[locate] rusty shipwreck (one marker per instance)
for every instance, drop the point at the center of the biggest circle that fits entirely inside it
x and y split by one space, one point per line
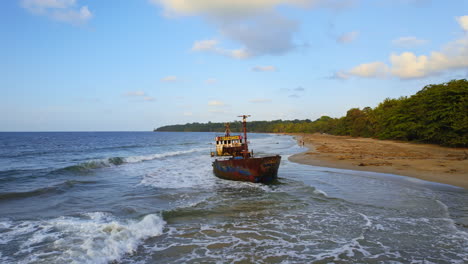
235 162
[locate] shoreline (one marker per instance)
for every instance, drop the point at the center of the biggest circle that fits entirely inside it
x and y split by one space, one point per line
423 161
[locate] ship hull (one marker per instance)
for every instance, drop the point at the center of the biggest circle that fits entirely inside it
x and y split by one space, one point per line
257 170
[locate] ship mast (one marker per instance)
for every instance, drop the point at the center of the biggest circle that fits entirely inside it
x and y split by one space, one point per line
244 126
227 132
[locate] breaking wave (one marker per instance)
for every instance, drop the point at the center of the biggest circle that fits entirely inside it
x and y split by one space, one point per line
136 159
116 161
95 164
92 238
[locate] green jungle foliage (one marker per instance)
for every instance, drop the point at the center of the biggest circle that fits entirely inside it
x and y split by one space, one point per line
437 114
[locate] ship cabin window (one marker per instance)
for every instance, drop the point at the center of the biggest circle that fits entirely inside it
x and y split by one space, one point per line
217 142
229 141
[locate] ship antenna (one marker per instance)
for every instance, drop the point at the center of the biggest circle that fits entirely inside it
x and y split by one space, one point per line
244 125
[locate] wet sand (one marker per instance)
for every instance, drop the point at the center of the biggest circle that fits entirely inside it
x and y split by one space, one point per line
423 161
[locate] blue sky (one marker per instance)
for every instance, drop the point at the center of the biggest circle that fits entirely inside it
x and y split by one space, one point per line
82 65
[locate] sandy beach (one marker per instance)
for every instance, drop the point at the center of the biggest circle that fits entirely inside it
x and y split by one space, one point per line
424 161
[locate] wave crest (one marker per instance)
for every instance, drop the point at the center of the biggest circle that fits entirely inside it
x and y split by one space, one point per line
92 238
116 161
95 164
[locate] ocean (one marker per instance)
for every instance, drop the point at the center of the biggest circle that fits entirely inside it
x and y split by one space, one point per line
144 197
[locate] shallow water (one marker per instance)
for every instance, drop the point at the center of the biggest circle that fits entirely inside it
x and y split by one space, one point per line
136 197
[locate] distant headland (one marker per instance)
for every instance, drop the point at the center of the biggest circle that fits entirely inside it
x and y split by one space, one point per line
437 114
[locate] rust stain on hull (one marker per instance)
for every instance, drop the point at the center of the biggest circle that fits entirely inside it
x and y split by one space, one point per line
263 170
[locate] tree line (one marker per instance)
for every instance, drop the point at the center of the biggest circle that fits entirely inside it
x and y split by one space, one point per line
436 114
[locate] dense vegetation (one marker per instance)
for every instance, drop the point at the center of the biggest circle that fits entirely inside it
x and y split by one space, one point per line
437 114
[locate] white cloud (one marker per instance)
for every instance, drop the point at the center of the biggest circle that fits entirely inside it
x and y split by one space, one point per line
260 100
170 78
407 65
295 92
216 103
73 16
463 21
222 7
140 95
60 10
453 56
348 37
42 5
299 89
369 70
187 114
408 42
242 7
340 75
205 45
366 70
211 81
267 33
264 68
256 25
211 45
238 53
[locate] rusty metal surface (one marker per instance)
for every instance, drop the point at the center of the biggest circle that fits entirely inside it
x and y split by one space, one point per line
264 169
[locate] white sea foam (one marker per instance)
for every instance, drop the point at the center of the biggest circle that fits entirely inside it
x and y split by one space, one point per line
136 159
115 161
248 185
368 221
290 240
4 226
10 231
444 208
379 227
320 192
349 249
94 238
327 235
181 173
450 221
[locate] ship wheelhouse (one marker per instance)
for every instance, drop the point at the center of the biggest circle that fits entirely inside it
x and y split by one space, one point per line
229 145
